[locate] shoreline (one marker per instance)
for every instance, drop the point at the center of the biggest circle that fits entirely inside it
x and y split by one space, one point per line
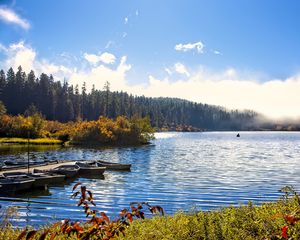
270 220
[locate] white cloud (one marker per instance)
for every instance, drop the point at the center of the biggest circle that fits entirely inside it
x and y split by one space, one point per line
105 57
19 54
190 46
136 12
125 20
100 74
180 68
274 98
9 16
230 88
91 58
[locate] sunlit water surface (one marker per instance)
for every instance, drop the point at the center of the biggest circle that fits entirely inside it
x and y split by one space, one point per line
178 171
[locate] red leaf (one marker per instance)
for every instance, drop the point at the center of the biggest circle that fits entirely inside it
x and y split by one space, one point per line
76 185
129 217
105 217
90 194
139 214
74 195
291 219
22 234
123 212
156 209
133 208
284 230
43 236
80 202
31 234
140 206
64 226
53 235
83 192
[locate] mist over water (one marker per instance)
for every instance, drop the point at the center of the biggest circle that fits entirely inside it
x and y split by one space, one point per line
178 171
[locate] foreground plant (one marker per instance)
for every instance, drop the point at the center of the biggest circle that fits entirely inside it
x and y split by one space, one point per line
269 221
97 226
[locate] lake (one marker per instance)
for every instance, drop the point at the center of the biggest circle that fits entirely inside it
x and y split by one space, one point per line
179 171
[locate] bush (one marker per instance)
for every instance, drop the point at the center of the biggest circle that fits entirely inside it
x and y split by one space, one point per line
106 131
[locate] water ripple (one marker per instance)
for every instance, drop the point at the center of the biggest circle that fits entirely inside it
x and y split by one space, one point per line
179 171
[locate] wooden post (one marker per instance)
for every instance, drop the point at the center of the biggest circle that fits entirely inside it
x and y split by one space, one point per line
28 135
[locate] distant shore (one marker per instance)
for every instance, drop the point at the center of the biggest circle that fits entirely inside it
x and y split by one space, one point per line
36 141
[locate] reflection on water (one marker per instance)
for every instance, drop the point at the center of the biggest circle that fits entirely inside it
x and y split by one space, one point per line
177 171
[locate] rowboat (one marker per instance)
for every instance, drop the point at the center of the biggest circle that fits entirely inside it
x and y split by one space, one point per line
69 171
90 168
21 166
41 179
21 163
10 185
114 166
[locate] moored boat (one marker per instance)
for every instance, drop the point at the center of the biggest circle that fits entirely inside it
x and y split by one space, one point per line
10 185
114 166
22 163
41 179
69 171
90 168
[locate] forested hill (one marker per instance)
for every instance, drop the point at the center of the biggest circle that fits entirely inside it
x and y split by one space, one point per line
63 102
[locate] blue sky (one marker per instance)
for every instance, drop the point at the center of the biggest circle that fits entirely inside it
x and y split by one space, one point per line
206 51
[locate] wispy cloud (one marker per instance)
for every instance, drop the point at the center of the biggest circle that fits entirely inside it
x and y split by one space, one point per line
168 71
180 68
216 52
9 16
109 44
126 20
105 57
2 48
198 46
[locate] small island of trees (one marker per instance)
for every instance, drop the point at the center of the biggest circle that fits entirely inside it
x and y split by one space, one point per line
103 131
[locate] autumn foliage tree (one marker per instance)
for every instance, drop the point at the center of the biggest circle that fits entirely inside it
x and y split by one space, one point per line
108 131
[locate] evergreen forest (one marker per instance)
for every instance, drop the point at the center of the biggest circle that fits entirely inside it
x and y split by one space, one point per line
57 100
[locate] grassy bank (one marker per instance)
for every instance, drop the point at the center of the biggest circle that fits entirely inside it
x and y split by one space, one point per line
36 141
244 222
269 221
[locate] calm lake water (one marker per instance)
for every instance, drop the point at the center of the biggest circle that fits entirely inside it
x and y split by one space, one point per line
178 171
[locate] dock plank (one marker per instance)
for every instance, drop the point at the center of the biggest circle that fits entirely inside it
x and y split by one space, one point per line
48 166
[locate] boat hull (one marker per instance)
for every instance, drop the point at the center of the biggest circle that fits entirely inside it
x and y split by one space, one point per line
90 168
44 179
114 166
13 185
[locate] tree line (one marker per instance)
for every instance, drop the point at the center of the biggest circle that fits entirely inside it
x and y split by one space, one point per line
58 100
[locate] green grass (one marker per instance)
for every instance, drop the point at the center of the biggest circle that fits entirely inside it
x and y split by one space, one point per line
246 222
36 141
231 223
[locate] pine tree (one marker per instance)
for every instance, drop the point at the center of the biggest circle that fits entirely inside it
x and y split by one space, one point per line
106 89
2 84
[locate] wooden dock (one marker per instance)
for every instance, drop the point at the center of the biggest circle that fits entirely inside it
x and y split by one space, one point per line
46 166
